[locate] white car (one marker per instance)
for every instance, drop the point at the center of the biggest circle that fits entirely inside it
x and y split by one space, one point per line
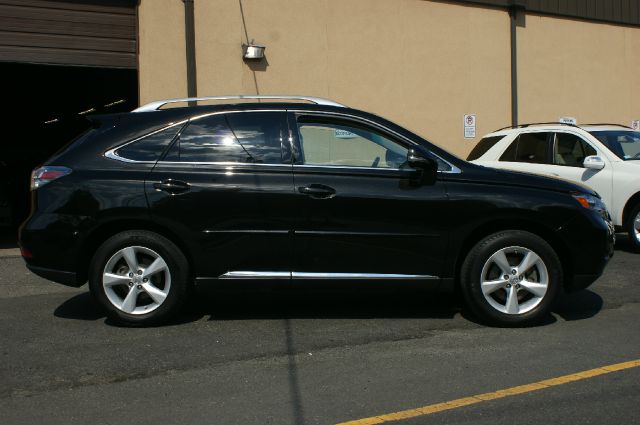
605 157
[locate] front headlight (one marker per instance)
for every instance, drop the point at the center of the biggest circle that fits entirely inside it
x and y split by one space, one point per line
593 203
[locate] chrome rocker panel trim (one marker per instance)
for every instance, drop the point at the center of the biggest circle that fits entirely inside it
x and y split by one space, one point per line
323 276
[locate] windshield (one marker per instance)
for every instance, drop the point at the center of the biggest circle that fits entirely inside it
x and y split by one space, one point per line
624 143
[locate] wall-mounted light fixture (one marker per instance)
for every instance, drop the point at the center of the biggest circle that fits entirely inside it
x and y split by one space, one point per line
253 51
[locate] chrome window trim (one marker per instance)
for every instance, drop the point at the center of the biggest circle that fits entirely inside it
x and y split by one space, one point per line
233 111
226 163
155 105
322 276
352 167
454 169
223 164
112 155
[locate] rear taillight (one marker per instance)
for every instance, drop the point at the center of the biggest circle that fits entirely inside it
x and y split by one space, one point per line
25 253
43 175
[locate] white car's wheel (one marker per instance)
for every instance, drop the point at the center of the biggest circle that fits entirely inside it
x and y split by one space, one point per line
633 228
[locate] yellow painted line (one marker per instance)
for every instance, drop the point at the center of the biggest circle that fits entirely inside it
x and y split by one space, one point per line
466 401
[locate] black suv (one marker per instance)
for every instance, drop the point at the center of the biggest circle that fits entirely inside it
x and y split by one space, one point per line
147 203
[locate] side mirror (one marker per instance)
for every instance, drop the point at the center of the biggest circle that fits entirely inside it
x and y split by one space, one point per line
593 162
428 167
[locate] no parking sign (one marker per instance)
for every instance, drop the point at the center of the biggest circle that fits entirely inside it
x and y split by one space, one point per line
469 126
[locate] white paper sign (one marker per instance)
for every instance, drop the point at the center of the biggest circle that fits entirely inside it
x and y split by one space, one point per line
469 121
635 124
344 134
568 120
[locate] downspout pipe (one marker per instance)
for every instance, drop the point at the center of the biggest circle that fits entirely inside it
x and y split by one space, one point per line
190 44
515 7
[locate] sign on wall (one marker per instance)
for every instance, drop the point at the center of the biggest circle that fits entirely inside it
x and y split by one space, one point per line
469 126
635 124
568 120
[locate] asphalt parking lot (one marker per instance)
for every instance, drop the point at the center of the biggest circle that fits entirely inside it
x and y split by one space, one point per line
315 355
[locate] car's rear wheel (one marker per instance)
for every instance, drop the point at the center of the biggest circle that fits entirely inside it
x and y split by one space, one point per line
633 228
139 277
511 278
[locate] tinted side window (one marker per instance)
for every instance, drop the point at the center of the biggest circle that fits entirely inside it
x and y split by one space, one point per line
251 137
529 147
150 147
347 144
483 146
571 150
260 133
510 154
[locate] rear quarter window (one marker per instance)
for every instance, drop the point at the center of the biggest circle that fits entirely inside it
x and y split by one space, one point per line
483 146
149 147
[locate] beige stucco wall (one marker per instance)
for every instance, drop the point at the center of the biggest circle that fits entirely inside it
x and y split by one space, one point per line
590 71
421 63
162 63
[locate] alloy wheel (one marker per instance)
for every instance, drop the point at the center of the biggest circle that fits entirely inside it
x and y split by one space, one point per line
514 280
136 280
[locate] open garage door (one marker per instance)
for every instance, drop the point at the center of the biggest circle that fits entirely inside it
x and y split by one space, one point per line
60 60
46 108
99 33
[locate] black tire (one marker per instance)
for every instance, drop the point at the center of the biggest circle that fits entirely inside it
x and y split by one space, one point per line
178 278
478 258
634 240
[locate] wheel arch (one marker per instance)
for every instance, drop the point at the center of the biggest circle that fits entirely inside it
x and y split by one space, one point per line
501 225
103 232
632 202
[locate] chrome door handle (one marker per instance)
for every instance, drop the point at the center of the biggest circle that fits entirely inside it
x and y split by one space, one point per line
318 191
173 187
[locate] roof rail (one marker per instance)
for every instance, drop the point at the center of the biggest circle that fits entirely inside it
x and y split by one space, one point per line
536 123
604 123
154 106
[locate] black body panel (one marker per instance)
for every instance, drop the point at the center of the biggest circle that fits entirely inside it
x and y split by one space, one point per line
259 217
378 221
237 217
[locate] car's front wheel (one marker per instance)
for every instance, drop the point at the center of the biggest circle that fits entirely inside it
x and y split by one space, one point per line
511 278
139 277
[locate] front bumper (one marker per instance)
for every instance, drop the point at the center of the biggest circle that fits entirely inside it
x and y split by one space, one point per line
591 242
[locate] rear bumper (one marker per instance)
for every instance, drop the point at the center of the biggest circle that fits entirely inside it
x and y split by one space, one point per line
52 245
59 276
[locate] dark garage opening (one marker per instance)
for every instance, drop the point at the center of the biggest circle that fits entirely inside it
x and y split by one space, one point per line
46 107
